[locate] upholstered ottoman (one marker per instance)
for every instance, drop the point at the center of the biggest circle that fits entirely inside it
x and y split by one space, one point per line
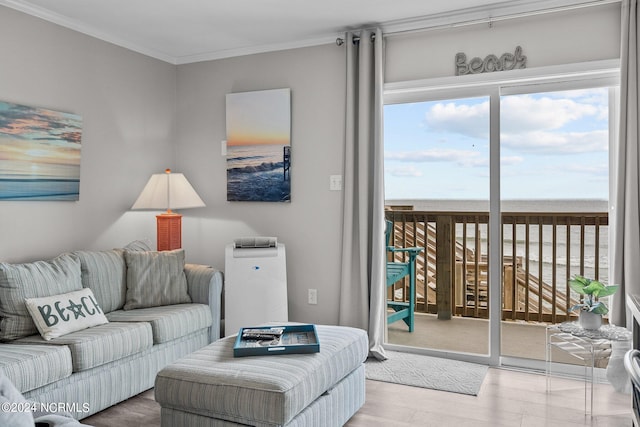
211 387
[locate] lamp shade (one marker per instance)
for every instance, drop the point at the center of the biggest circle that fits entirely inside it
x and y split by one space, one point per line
168 191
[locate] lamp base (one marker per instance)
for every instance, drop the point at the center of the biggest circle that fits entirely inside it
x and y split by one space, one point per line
169 231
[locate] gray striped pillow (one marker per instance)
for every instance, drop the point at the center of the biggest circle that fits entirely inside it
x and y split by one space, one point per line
32 280
137 245
105 274
155 279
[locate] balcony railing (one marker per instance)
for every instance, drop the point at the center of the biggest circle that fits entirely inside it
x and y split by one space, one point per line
541 252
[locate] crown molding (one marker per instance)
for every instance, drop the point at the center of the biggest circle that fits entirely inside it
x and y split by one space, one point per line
77 26
251 50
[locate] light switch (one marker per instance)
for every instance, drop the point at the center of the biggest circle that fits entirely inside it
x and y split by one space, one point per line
335 182
223 148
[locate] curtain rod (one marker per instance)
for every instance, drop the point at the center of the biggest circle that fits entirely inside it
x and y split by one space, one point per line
486 20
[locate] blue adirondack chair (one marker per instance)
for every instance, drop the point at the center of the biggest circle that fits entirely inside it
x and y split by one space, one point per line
398 271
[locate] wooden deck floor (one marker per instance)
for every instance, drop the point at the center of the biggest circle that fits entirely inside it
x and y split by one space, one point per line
469 335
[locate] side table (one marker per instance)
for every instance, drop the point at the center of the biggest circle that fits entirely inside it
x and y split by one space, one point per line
590 347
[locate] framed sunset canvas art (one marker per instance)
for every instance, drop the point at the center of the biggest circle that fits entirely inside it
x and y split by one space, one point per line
259 146
39 153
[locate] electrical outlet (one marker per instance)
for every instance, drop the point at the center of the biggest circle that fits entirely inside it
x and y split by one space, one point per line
313 296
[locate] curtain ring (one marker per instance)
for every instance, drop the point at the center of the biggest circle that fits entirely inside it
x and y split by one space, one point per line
356 39
340 41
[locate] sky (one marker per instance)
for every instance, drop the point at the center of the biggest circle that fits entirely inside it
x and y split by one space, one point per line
553 145
258 118
36 142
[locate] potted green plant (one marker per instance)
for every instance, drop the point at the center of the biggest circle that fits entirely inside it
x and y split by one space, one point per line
591 309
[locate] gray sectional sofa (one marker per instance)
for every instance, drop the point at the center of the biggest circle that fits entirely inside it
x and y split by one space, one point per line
151 307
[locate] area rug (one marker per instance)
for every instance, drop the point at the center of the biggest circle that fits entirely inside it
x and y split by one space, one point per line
427 372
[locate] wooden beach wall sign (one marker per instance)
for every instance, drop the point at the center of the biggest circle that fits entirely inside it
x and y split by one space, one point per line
39 153
259 146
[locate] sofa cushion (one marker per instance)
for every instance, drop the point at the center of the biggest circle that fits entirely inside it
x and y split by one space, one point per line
155 279
32 366
32 280
168 322
105 273
101 344
59 315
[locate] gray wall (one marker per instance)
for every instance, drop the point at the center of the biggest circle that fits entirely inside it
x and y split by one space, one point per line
142 115
310 225
127 102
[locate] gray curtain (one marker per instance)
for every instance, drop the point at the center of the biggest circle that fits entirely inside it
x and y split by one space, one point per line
626 199
362 286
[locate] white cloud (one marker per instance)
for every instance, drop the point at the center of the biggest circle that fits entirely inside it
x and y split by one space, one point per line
590 96
557 142
519 114
404 172
470 120
461 157
511 160
591 169
524 113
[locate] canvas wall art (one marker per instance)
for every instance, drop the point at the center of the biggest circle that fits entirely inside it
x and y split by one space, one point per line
259 146
39 153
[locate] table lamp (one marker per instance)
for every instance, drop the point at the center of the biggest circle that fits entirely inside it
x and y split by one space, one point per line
168 191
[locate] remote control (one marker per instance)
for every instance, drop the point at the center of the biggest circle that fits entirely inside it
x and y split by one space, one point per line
262 334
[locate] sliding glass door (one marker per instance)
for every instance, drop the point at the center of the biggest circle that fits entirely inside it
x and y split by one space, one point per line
504 187
437 184
555 191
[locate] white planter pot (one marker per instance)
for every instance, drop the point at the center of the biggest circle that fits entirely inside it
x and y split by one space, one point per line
590 320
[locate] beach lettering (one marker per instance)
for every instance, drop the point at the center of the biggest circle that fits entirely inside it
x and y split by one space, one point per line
89 305
507 61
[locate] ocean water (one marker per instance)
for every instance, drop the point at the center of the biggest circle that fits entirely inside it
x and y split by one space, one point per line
39 189
565 265
256 173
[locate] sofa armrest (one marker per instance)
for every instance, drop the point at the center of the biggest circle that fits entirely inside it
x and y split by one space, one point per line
205 287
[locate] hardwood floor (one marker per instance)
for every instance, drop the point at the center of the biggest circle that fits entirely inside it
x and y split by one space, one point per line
507 398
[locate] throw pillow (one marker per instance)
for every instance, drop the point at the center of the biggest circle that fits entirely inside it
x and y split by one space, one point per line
137 245
59 315
32 280
105 273
155 279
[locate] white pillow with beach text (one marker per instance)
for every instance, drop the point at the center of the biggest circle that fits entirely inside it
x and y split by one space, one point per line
59 315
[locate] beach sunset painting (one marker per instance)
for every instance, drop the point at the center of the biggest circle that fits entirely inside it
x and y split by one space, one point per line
39 153
259 146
